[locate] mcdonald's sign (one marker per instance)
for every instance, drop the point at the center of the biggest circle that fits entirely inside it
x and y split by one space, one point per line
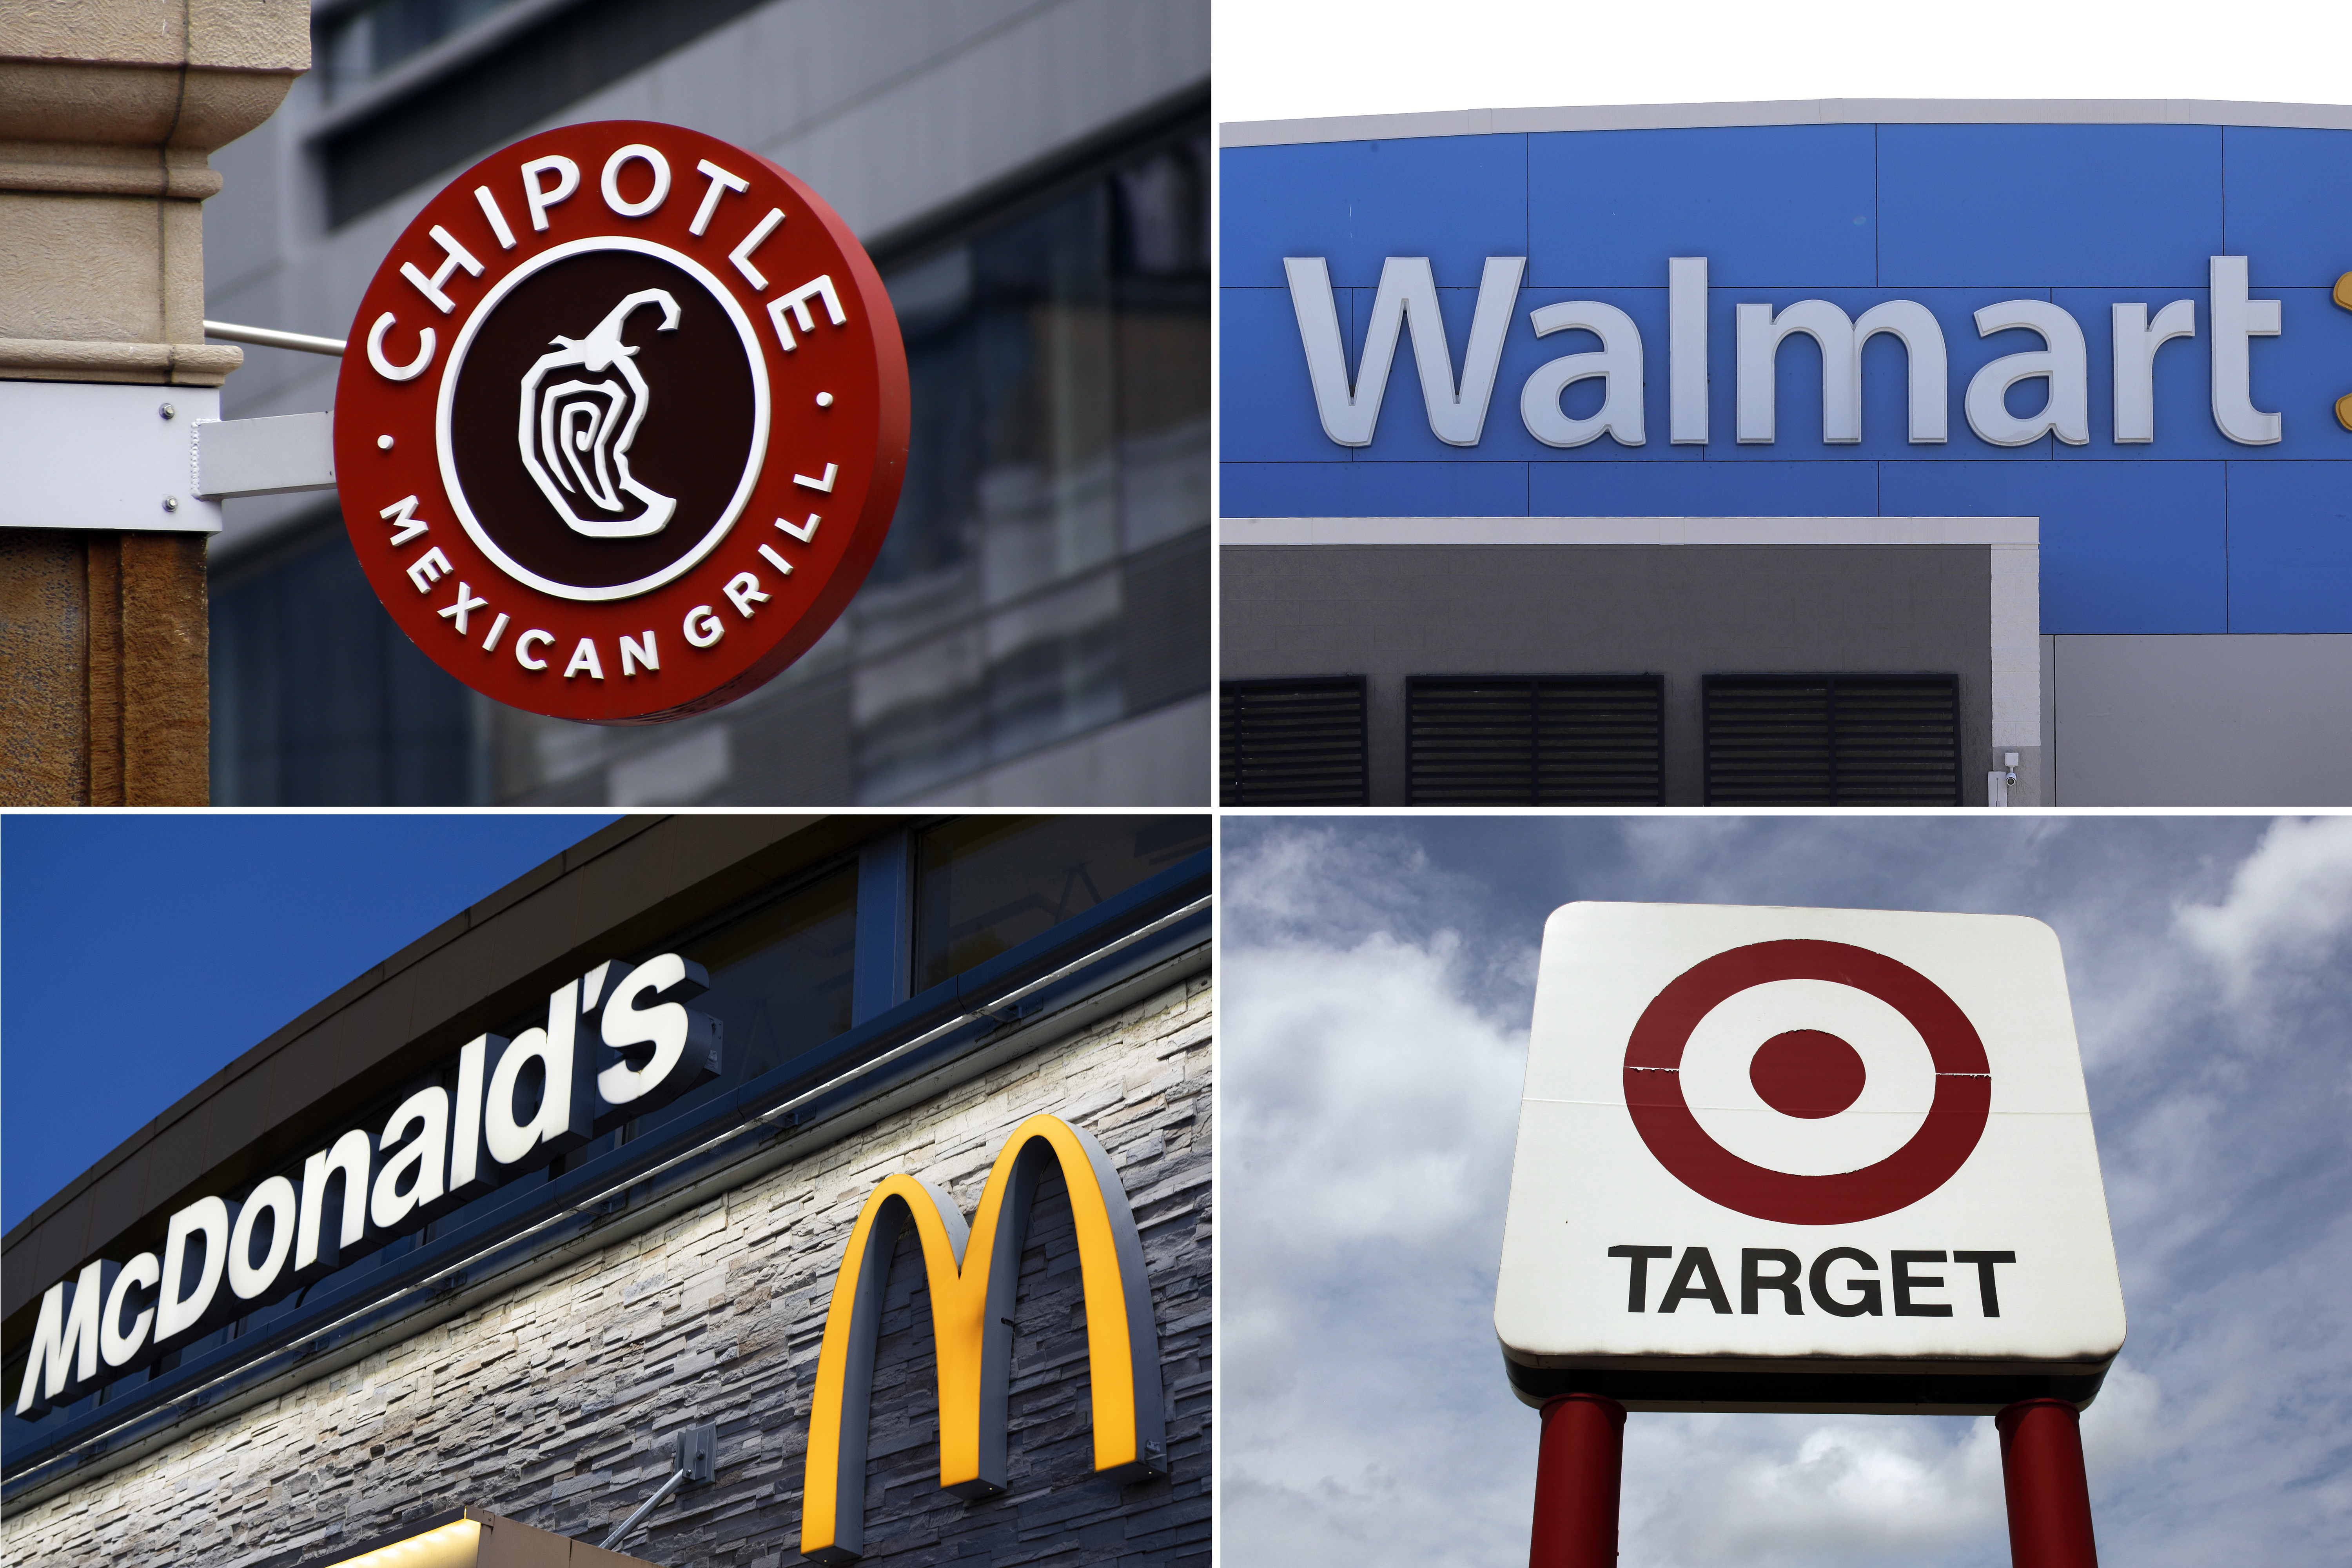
973 1273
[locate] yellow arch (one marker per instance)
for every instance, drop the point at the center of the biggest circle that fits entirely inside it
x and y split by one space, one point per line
973 1277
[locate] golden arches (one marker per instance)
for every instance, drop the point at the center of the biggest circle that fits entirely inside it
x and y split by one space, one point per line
972 1276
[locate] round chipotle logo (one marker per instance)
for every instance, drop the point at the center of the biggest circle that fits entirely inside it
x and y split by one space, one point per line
628 424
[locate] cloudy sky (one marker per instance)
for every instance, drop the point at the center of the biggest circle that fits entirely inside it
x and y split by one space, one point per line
1276 59
1377 976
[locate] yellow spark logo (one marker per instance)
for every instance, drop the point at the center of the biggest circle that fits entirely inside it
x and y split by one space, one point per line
2343 403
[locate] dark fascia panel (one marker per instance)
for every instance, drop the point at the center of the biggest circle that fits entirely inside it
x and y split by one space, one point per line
1910 1391
617 890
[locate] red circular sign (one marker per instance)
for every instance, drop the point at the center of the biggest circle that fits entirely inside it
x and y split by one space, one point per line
1955 1122
1809 1073
622 424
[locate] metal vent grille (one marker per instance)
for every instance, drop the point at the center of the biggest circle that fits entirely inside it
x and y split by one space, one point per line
1535 740
1292 742
1832 740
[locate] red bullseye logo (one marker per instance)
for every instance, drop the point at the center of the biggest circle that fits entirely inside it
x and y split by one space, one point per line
1807 1073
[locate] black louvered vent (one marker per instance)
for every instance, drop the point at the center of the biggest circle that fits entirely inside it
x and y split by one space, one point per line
1292 742
1535 740
1832 740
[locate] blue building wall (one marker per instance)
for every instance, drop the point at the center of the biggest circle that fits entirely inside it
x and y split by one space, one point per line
2193 533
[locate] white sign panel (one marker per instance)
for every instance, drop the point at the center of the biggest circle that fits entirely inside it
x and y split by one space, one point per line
1805 1159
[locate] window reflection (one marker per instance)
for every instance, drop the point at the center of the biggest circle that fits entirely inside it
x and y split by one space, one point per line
984 885
362 42
1059 364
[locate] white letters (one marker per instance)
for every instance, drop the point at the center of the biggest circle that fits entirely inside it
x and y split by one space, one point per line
274 1197
180 1309
2136 341
464 604
1687 350
1351 412
384 366
632 655
585 658
1841 340
522 1101
1349 408
2235 320
65 1339
561 1119
702 626
428 569
542 198
796 301
458 255
141 1273
489 205
523 643
743 592
404 512
465 1118
350 1157
611 181
1619 364
428 1111
674 1034
741 255
721 182
2064 363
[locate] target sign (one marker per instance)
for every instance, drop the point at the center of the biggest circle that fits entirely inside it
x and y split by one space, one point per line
623 423
1821 1159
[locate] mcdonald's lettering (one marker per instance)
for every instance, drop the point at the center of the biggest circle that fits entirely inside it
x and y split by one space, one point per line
973 1273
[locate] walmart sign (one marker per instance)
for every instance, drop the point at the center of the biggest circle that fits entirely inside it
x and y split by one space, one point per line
2127 331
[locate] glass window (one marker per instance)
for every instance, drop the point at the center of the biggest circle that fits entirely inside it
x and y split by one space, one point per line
318 699
984 885
780 979
363 41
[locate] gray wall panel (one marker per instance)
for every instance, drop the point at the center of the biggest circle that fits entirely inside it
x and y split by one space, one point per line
2201 721
1680 611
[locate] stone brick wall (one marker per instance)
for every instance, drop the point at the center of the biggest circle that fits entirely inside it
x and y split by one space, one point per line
550 1404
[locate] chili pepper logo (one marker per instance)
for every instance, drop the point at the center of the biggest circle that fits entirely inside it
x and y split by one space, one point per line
575 433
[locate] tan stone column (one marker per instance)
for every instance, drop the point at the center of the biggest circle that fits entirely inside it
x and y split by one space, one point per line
109 110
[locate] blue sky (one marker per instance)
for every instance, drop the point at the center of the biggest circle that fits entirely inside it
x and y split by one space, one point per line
1376 979
138 954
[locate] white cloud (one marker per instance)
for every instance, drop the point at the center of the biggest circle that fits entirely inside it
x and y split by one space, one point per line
1814 1490
2289 903
1376 983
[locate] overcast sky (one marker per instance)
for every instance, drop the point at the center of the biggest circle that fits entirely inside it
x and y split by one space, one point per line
141 953
1376 978
1279 59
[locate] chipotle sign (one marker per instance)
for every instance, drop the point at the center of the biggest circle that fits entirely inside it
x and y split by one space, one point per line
629 425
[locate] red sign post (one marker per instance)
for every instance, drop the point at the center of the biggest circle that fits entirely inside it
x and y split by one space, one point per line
624 424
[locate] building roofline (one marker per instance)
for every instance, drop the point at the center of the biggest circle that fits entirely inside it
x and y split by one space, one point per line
625 884
1787 112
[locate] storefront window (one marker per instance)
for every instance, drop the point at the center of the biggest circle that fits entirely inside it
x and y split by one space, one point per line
986 884
780 982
